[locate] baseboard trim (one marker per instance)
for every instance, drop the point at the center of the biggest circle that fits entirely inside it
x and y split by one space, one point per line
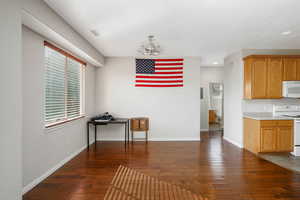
154 139
233 142
176 139
51 171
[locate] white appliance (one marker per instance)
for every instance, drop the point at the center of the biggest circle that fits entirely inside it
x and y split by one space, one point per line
292 111
291 89
296 137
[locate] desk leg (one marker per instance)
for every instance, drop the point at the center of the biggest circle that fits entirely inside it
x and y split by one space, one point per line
132 138
95 135
88 136
125 133
128 131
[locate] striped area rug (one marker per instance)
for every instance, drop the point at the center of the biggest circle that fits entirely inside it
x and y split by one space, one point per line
128 184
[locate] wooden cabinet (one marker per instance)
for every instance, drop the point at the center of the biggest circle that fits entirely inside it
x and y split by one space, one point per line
263 75
212 116
285 139
268 139
139 124
135 124
274 78
259 78
291 69
144 124
268 135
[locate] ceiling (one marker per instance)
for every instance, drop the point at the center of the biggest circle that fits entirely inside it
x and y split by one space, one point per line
211 29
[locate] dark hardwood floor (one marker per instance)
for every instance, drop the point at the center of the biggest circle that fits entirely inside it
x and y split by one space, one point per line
213 168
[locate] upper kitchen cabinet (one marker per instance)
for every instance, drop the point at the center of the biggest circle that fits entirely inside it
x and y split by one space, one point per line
274 84
291 69
263 77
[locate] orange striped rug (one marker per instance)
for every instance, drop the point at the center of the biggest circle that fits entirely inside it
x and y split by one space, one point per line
128 184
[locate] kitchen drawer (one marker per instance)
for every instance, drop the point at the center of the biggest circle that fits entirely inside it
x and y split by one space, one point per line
285 122
268 123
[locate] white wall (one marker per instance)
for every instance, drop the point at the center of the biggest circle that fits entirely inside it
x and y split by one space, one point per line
43 148
11 101
173 112
233 94
45 15
208 75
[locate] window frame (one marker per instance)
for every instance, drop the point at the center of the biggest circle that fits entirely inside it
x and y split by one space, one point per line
82 86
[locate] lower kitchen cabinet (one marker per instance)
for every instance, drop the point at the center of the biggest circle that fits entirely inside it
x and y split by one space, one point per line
268 135
285 139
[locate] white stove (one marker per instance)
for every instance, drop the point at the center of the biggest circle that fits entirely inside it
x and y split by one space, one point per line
292 111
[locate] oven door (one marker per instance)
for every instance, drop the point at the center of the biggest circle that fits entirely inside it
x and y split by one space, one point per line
291 89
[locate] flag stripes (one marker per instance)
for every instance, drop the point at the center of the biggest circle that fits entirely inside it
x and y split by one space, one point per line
168 68
150 81
159 72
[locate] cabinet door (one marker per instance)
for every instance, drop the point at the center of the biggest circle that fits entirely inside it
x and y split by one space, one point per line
298 69
143 124
134 124
275 71
290 69
247 79
285 139
259 78
268 139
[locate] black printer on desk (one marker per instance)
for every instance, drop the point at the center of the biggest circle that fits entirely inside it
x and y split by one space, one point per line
105 117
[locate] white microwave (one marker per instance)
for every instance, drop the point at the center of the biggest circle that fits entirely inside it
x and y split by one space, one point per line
291 89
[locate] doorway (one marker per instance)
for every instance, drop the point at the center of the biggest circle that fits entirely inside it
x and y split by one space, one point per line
211 99
215 107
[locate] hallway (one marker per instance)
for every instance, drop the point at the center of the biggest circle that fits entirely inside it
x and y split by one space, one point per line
212 168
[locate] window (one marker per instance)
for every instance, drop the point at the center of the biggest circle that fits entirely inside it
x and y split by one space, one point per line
64 86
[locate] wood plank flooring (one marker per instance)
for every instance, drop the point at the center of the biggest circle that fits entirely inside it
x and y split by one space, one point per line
212 168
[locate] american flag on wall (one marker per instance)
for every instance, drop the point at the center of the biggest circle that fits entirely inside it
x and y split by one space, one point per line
159 73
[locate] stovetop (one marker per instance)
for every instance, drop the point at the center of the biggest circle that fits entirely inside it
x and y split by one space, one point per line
294 116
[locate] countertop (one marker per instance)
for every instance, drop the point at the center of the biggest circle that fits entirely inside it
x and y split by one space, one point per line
265 116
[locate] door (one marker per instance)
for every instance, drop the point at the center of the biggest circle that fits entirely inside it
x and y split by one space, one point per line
275 71
248 79
134 124
259 78
143 124
268 139
285 139
291 69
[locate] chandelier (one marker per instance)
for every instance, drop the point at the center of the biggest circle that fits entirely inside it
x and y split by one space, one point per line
150 48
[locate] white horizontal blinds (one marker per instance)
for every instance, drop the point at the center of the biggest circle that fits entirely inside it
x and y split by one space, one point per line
73 88
63 85
55 85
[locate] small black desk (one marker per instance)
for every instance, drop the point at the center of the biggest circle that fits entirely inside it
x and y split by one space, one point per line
124 121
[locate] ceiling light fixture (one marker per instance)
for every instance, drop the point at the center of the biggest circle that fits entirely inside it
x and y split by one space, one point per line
286 33
215 63
150 48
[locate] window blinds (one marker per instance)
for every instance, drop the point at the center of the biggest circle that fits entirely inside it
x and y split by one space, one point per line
73 89
55 86
63 86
